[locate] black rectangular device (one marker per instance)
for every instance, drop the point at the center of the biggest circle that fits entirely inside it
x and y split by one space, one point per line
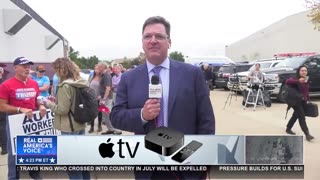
186 151
164 141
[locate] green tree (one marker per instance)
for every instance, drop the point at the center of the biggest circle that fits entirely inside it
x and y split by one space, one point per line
126 64
91 62
73 55
83 62
314 6
135 61
177 56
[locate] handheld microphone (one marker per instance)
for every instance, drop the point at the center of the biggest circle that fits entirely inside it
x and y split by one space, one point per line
155 89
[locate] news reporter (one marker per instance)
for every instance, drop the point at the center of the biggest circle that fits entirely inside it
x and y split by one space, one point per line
185 104
301 83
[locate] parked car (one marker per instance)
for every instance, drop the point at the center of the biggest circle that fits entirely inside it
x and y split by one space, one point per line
84 76
242 77
276 77
227 70
86 73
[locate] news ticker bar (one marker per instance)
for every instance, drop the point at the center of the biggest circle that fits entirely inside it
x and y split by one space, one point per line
216 171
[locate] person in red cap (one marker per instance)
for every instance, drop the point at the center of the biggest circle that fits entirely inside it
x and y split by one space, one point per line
19 95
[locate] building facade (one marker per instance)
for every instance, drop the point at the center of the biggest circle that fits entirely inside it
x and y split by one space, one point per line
293 34
24 33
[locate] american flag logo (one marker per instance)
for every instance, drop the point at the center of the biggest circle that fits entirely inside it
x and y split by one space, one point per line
47 140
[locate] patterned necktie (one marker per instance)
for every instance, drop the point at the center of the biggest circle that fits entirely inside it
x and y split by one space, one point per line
160 119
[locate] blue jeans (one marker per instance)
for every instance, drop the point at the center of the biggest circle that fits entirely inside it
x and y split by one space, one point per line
77 174
13 174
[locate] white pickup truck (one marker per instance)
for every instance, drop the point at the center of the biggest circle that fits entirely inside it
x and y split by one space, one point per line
242 77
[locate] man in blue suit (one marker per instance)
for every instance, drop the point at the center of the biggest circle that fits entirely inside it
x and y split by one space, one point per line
185 104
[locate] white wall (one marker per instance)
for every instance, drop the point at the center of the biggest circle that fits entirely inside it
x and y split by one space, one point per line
294 34
30 41
55 52
7 4
3 45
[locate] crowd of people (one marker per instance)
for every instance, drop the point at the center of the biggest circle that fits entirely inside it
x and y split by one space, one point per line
19 94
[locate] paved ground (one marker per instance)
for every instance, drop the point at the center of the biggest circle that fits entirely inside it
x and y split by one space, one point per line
234 120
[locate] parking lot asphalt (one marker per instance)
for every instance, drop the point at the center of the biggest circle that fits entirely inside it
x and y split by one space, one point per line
234 120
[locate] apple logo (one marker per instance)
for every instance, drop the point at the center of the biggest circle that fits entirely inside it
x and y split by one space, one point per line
105 149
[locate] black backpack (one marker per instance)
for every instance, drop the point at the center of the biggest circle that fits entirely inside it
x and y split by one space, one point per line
86 106
292 96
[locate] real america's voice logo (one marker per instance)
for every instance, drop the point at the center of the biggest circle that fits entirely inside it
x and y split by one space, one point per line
106 149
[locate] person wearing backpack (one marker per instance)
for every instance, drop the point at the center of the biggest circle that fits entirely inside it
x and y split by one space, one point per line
300 82
65 104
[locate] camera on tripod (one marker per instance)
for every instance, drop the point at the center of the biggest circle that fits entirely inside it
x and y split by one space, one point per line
234 80
235 86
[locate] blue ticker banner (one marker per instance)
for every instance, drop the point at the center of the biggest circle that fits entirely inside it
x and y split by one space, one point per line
36 150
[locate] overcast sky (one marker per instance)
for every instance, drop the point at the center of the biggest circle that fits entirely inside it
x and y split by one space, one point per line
112 28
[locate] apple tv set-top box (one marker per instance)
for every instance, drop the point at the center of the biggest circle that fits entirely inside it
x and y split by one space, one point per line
164 141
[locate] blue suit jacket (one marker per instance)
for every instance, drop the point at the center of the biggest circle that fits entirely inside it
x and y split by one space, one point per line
190 110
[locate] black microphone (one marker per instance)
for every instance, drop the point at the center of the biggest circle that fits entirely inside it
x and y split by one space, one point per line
155 80
155 88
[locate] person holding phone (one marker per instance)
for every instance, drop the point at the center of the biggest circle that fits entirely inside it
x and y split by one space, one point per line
301 82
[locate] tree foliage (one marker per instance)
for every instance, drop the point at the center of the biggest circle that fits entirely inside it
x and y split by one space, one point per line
83 62
177 56
314 6
73 55
91 61
129 63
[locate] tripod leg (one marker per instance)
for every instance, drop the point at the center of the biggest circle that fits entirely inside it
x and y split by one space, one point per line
236 95
256 100
245 104
225 103
263 100
231 92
